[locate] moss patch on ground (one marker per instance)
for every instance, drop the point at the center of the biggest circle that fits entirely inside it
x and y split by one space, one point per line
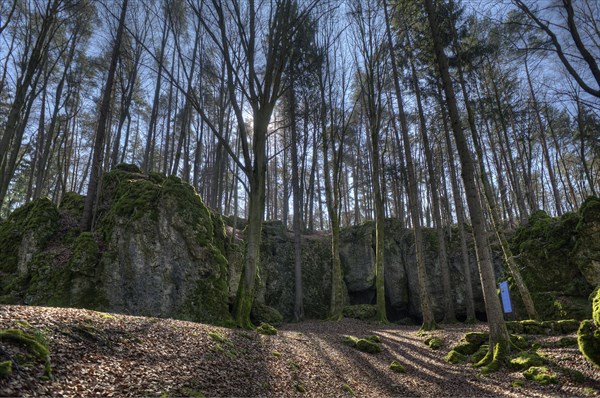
33 343
370 344
540 374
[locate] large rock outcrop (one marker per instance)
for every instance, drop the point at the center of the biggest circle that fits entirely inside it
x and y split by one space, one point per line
553 256
157 251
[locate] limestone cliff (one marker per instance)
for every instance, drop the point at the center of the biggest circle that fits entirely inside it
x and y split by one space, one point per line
158 250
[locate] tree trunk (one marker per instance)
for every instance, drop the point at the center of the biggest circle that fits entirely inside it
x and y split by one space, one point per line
499 337
96 173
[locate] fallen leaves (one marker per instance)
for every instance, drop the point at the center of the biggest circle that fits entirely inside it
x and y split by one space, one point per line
97 354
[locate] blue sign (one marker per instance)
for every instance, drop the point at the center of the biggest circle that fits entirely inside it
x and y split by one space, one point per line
505 296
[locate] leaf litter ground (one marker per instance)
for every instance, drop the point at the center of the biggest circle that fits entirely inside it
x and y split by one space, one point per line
98 354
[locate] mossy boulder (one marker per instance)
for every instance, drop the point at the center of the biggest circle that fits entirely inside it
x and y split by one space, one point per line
35 346
541 374
267 329
544 248
397 367
162 257
588 335
477 338
73 203
435 343
23 235
455 357
263 313
525 360
466 348
586 253
368 346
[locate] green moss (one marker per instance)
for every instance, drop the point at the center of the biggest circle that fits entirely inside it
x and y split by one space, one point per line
34 343
348 389
218 337
374 338
517 383
265 328
73 203
498 358
435 343
130 168
360 311
541 374
455 357
596 308
520 342
276 354
368 346
299 387
5 369
588 338
478 356
37 221
466 348
525 360
350 340
477 338
397 367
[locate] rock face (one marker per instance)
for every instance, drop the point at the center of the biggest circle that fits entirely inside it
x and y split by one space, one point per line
357 253
159 256
557 257
158 250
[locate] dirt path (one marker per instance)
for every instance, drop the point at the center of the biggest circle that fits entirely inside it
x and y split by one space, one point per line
96 354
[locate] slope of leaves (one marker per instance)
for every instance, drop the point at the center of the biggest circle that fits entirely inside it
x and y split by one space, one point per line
97 354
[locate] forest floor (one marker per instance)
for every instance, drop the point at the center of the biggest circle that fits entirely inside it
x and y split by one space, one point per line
98 354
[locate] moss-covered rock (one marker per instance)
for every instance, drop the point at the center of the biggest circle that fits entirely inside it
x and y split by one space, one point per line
267 329
275 287
37 347
455 357
361 311
466 348
160 238
368 346
23 235
586 253
567 326
480 353
525 360
397 367
350 340
541 374
476 338
588 337
263 313
73 203
544 247
435 343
